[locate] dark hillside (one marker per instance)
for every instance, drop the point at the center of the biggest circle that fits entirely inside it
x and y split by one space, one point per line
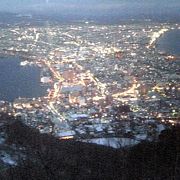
48 158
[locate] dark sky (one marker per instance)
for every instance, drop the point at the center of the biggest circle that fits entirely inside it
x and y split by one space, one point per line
96 8
57 5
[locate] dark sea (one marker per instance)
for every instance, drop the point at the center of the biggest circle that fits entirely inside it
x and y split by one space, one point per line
19 81
170 42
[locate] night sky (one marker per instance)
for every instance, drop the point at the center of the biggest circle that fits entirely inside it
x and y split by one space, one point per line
165 10
43 5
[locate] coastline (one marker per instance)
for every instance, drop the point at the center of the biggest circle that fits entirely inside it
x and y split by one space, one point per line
155 37
20 60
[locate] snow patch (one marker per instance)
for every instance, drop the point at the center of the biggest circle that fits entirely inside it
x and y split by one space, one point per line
113 142
8 160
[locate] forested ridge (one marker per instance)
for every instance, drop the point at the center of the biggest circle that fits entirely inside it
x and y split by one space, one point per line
49 158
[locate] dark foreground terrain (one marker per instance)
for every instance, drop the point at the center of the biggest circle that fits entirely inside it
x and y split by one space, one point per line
48 158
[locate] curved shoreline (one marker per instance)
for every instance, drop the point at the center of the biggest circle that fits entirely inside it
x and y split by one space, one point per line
30 62
156 36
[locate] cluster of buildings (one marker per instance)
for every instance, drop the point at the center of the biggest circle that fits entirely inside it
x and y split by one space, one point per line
105 80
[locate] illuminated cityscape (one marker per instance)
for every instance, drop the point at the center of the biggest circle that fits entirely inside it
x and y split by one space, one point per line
99 85
89 90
